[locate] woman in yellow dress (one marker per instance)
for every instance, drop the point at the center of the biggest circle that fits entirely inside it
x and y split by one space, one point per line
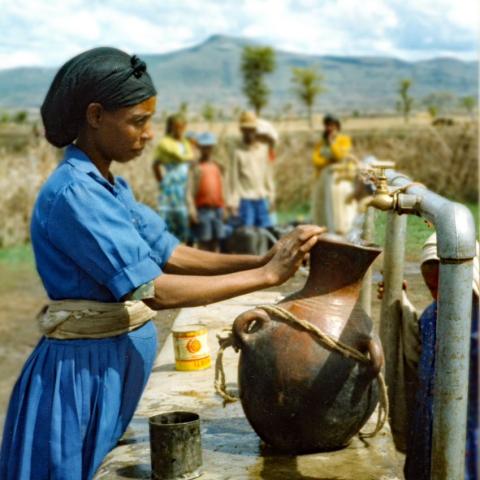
329 204
173 157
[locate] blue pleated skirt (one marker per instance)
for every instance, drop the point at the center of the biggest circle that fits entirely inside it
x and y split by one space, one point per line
72 403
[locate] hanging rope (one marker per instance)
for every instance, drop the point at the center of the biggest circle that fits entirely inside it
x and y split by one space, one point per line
220 385
328 341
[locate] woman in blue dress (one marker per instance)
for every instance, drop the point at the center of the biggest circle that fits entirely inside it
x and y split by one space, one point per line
103 257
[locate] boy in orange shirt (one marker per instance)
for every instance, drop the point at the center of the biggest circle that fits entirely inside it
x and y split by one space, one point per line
205 198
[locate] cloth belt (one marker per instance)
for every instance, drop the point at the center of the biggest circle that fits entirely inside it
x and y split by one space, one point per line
74 319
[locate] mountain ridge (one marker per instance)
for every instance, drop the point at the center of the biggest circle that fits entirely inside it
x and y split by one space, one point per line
210 72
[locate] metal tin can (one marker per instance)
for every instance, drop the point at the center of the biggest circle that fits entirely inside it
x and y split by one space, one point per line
175 446
190 343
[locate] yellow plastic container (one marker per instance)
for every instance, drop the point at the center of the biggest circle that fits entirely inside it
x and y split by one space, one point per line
190 343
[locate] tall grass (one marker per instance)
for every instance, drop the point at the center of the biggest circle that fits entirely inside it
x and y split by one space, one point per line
445 160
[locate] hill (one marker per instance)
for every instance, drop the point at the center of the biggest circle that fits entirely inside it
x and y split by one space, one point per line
210 72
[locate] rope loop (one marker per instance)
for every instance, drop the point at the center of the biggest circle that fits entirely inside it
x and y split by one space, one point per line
220 383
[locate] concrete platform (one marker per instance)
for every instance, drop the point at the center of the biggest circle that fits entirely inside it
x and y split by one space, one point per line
231 449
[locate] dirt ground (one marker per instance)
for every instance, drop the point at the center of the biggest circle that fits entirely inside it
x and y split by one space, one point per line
22 296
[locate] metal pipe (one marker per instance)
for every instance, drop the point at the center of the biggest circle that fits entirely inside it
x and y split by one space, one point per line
451 370
367 237
456 248
393 266
453 221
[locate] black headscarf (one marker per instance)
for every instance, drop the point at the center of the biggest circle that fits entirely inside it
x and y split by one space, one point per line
104 75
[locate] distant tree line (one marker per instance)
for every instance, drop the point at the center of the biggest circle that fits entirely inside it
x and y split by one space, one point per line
18 117
308 84
258 62
435 103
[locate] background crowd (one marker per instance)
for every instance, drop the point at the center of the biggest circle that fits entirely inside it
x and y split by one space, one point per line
206 203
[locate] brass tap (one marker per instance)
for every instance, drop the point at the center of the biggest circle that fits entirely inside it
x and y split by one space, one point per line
386 198
383 199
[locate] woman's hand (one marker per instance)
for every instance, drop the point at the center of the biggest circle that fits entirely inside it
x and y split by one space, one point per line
279 245
193 218
158 171
380 290
287 255
232 211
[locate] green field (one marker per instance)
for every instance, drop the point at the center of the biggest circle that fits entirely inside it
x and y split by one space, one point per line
18 254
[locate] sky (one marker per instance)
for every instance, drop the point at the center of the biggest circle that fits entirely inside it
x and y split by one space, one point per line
49 32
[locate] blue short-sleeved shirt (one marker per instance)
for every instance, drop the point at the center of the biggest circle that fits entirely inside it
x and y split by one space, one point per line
92 240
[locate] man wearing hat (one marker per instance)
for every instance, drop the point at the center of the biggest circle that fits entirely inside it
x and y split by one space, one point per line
205 196
251 189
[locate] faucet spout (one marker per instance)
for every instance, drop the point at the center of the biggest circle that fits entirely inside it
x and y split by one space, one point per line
364 203
381 201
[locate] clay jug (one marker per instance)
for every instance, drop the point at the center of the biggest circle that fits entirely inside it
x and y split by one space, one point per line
298 395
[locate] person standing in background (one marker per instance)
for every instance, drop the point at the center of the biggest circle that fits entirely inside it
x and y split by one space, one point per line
173 156
250 183
329 194
205 198
268 135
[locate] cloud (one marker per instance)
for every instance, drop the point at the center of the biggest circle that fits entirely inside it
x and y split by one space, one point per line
407 29
47 33
437 26
19 58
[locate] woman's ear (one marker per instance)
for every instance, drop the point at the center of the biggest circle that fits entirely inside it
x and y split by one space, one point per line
94 115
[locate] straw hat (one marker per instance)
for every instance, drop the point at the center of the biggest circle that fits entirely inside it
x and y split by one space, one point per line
248 120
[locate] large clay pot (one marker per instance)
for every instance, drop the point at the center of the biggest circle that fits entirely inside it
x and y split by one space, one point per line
298 395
